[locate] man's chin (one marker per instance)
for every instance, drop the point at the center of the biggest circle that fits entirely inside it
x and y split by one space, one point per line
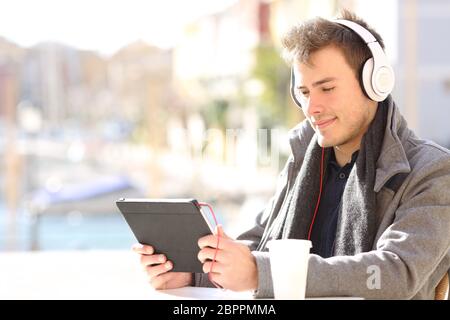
324 142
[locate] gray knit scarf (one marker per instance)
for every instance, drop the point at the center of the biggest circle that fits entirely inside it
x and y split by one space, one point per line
356 226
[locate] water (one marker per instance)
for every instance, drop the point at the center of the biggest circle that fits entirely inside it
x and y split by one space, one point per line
73 231
84 232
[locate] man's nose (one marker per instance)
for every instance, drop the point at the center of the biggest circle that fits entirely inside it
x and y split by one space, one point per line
313 105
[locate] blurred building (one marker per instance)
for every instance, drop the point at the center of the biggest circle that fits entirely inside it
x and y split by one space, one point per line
140 77
11 57
49 71
424 67
10 163
218 49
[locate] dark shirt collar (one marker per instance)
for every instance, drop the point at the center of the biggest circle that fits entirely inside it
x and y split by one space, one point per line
333 160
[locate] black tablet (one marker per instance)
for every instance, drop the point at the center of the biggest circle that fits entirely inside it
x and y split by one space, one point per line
170 226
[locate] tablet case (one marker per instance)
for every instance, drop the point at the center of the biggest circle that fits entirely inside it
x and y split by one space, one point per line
171 227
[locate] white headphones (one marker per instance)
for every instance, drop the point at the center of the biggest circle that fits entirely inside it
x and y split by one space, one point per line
377 75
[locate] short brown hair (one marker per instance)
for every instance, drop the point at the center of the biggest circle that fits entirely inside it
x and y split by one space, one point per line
304 39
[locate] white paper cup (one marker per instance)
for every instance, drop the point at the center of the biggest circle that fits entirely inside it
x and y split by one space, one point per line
289 266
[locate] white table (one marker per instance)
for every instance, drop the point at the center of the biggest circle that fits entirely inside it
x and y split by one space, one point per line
89 275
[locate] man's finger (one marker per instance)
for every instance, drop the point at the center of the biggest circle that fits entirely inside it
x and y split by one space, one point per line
211 241
217 267
156 271
147 260
221 233
142 248
209 254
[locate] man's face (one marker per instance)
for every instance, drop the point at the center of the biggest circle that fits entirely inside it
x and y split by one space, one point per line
332 98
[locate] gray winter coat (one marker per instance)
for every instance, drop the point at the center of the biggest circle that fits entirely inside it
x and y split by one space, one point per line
412 245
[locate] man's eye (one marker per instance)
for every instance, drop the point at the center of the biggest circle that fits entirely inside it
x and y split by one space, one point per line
328 89
304 93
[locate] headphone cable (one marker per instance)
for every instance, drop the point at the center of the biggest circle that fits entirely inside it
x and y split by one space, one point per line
318 198
204 204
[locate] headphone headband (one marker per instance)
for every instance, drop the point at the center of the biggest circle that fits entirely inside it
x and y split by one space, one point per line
358 29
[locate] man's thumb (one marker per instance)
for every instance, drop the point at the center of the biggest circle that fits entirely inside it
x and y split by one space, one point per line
220 232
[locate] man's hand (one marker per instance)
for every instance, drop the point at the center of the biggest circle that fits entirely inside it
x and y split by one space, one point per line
157 269
234 268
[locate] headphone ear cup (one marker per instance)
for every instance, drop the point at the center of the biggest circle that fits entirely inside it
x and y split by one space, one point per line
384 80
292 90
366 79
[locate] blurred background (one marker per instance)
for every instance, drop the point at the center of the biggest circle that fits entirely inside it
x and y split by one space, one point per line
171 99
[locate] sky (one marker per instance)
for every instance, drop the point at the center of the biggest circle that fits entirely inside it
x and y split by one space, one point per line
100 25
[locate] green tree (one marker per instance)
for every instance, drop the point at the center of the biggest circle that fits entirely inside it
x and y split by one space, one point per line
274 73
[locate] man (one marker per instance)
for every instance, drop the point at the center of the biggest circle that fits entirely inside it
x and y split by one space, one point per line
373 198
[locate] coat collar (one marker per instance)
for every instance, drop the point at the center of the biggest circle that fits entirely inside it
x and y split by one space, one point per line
393 159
